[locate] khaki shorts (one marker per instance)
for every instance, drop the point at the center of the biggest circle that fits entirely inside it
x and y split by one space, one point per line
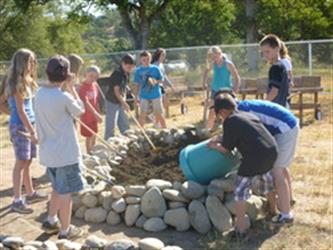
154 105
286 147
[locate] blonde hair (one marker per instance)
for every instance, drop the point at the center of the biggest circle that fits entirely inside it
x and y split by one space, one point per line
94 69
75 63
212 50
284 53
18 78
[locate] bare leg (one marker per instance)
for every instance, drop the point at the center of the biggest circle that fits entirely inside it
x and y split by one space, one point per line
65 210
240 208
27 181
142 118
282 190
17 177
54 203
160 119
271 198
211 119
288 177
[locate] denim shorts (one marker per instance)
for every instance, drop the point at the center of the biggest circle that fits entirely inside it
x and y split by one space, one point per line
23 147
66 179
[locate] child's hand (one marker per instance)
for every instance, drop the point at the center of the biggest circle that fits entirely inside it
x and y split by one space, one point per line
34 138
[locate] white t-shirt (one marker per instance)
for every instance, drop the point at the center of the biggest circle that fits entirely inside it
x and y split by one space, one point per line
287 64
58 141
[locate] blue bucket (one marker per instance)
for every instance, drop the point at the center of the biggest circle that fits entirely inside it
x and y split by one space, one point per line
202 164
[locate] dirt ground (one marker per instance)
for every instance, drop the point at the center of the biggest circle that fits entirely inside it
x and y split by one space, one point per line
312 185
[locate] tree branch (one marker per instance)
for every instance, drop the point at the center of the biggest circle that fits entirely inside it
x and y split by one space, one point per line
128 24
159 11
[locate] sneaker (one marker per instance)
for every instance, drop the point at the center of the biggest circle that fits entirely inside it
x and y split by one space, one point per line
280 220
36 197
51 228
74 233
21 207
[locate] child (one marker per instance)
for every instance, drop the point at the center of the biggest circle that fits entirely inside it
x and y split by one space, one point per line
148 78
225 76
245 132
59 146
116 106
158 60
20 84
89 94
3 99
286 61
76 63
278 86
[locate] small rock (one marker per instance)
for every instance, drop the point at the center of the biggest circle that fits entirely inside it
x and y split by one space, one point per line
150 244
135 190
174 195
79 213
103 195
1 246
49 245
95 215
98 188
192 190
199 218
131 215
89 200
216 190
60 243
227 185
107 202
141 221
176 204
95 242
160 184
27 247
218 214
177 185
76 202
153 203
121 245
133 200
13 242
177 218
118 192
36 244
119 205
172 248
155 224
113 218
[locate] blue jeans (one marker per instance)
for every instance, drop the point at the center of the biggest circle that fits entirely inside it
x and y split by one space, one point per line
115 114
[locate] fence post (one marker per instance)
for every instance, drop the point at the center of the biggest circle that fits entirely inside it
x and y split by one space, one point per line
310 57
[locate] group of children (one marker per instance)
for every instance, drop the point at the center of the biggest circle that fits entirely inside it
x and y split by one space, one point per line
264 133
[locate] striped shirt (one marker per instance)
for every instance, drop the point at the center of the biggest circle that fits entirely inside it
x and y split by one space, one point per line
277 119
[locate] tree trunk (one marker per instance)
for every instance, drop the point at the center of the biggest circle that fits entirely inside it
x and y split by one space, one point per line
251 35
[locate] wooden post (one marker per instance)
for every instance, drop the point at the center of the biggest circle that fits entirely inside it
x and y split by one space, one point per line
316 109
300 103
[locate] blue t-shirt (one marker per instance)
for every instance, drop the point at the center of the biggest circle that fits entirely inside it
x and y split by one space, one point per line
276 118
148 91
221 76
28 108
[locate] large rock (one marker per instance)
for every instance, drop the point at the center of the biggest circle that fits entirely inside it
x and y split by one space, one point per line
176 204
119 205
107 201
227 185
177 218
218 214
160 184
79 213
133 200
215 189
113 218
131 215
103 195
150 244
174 195
121 245
76 202
89 200
27 247
192 190
177 185
13 242
68 245
98 188
135 190
153 203
95 242
118 192
49 245
95 215
199 218
141 221
155 224
35 243
172 248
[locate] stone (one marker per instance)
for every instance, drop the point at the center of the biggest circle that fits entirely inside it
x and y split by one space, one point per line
1 246
133 200
95 215
89 200
176 204
150 244
141 221
218 214
174 195
118 192
79 213
199 218
131 214
119 205
103 195
228 185
177 218
160 184
76 202
154 224
36 244
49 245
113 218
192 190
27 247
153 203
95 242
172 248
121 245
98 188
247 222
107 202
177 185
135 190
60 243
13 242
216 190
